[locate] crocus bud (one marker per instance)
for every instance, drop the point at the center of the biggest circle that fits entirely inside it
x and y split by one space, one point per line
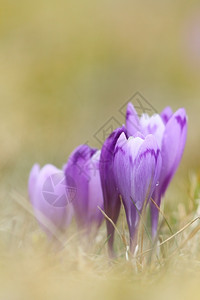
50 198
112 202
83 167
170 131
137 165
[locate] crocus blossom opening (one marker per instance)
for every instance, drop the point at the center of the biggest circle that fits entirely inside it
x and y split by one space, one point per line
170 131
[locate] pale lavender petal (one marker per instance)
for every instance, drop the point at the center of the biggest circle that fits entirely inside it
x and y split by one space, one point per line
147 170
50 199
83 167
126 152
153 125
95 195
137 165
132 120
77 168
166 114
173 145
138 134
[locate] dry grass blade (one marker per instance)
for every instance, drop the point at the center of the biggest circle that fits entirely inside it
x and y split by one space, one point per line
161 212
165 219
142 222
123 220
173 236
113 224
191 235
104 243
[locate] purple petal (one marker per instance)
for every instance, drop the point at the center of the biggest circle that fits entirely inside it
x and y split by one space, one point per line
83 167
110 193
166 114
95 194
132 120
126 152
153 125
49 198
173 145
137 165
148 167
77 168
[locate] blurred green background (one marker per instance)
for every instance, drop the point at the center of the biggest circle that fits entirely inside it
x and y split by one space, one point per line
66 67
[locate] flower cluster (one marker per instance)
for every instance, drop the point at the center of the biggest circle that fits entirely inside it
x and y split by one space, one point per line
137 162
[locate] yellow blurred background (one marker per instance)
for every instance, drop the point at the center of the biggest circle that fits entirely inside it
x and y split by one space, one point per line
66 67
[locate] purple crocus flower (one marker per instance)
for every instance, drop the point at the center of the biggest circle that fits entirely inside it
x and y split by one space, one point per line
170 131
112 202
137 165
49 197
83 167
